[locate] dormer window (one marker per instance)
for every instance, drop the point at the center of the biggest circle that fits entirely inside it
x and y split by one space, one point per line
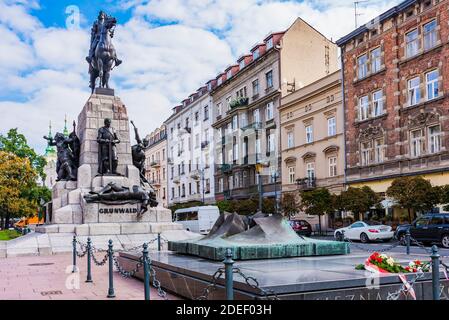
256 54
242 64
269 43
209 86
220 81
229 74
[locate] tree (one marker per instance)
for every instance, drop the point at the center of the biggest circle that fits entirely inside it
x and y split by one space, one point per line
358 200
414 194
289 204
317 202
18 187
268 205
16 143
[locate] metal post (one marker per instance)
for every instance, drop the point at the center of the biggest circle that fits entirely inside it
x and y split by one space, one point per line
89 251
74 254
146 272
435 273
111 293
228 262
407 241
158 242
260 191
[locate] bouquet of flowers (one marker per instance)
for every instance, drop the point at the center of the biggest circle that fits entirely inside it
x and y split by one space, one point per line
381 263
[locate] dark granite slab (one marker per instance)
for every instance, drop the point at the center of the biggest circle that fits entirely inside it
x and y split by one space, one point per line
325 277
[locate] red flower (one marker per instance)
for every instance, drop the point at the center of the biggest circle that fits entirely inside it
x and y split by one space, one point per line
407 268
418 263
379 259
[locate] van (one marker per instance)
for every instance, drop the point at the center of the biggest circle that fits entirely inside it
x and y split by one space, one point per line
197 219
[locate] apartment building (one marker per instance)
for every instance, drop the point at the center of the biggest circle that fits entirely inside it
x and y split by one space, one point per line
396 106
312 139
156 163
246 98
189 145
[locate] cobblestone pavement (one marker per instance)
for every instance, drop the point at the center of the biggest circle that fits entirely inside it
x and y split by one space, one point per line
45 278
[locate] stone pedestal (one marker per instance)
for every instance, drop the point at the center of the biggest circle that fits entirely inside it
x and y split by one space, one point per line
71 214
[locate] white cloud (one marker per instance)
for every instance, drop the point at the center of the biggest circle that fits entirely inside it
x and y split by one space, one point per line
162 65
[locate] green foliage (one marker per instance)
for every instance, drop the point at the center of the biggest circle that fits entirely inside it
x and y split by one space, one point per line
358 200
268 205
317 202
224 205
360 267
16 143
444 196
414 193
6 235
243 207
289 204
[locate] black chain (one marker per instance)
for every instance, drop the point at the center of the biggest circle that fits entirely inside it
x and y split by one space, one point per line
212 286
253 283
156 283
97 262
391 247
123 272
403 290
81 255
419 244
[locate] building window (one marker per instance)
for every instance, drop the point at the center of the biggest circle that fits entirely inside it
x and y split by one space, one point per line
269 115
257 146
331 127
269 77
412 43
290 139
271 144
379 150
197 117
414 94
206 113
243 120
230 184
309 134
229 74
235 124
310 171
220 185
376 60
332 166
362 63
378 103
255 87
228 103
430 35
173 193
219 109
432 84
417 144
366 151
269 43
256 116
434 139
242 64
241 93
291 175
363 108
256 54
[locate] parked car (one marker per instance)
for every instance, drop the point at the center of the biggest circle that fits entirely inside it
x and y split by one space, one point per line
365 231
301 227
197 219
432 227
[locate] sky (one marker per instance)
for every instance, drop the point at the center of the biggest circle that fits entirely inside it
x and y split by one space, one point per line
169 48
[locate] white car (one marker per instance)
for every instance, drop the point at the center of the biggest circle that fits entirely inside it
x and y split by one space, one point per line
365 232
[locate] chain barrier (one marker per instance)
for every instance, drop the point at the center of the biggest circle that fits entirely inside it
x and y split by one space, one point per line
420 245
406 288
213 285
123 272
253 283
156 283
391 247
81 255
96 261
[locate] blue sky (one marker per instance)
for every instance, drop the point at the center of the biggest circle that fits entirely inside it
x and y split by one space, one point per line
169 48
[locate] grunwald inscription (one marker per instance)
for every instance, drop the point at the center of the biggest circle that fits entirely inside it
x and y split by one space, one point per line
117 210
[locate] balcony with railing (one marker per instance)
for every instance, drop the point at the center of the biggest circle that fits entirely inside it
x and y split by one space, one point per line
306 184
155 183
252 126
155 164
226 168
239 102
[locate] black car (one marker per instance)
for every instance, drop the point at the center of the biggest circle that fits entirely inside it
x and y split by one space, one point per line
432 227
301 227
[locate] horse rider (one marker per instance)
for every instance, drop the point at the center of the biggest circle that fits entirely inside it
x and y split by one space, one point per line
95 38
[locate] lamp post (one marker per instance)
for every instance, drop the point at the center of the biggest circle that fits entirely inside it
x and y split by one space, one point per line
275 176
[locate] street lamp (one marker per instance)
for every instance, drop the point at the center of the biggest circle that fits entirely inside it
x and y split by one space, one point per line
275 176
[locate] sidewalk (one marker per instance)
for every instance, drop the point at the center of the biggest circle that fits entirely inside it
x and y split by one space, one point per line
45 277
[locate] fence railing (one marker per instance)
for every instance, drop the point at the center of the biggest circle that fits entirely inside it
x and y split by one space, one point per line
81 250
